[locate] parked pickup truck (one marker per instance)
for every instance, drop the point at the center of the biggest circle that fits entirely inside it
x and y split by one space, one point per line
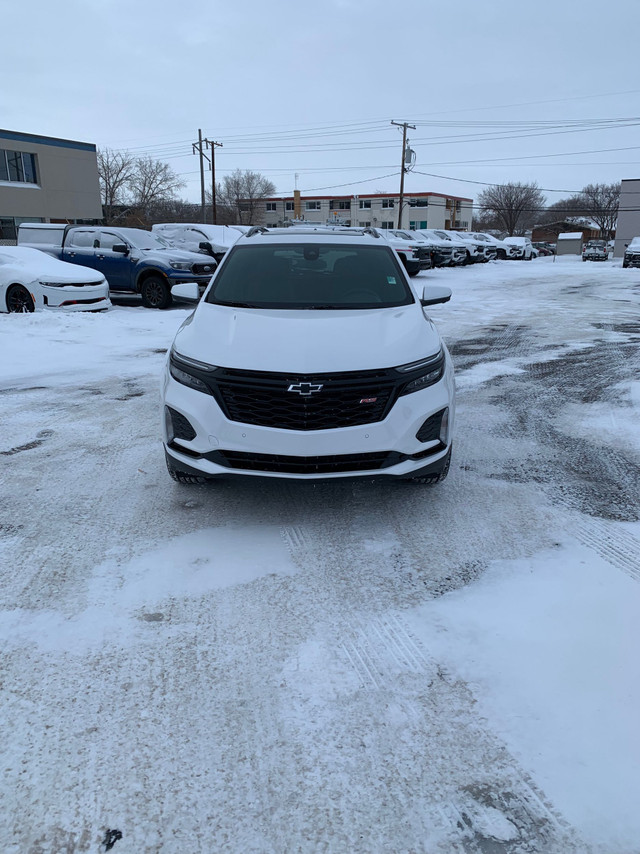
132 260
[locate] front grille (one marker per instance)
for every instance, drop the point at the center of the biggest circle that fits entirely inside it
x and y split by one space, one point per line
308 465
344 400
423 252
203 269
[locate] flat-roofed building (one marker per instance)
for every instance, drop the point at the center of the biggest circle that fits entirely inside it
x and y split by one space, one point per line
380 210
628 225
45 179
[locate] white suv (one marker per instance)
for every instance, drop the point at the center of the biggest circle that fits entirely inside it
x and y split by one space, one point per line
309 356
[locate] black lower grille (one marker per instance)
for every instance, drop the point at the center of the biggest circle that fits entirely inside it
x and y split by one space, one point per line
182 428
430 430
318 402
308 465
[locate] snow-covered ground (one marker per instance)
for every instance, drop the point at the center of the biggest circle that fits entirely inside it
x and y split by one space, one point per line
263 666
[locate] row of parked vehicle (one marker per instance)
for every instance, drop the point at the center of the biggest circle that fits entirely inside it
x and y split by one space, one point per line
38 273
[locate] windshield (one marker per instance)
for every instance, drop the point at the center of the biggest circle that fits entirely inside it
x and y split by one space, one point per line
310 276
144 239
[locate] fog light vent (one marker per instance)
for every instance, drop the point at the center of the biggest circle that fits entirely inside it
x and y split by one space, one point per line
431 429
182 428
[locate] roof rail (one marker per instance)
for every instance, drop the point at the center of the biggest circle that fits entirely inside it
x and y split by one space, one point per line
257 229
371 231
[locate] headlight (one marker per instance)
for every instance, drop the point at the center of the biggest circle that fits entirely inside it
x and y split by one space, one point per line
180 265
190 372
422 374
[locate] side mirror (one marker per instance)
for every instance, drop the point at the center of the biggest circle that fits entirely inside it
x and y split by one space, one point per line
434 294
189 292
205 246
121 248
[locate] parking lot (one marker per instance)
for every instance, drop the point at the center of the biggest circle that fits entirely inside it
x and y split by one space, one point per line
259 665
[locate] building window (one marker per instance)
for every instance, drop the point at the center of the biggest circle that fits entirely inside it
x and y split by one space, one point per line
18 166
312 206
386 223
418 203
339 205
288 206
364 224
272 225
365 204
271 206
388 203
417 225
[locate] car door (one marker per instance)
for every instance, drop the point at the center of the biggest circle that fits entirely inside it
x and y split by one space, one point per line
117 267
79 247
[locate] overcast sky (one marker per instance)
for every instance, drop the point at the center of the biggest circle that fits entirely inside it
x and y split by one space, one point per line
310 87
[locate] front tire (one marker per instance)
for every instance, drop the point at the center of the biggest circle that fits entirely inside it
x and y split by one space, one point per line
19 300
182 476
155 293
436 477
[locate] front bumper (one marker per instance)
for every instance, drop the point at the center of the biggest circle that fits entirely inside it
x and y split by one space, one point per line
70 298
385 448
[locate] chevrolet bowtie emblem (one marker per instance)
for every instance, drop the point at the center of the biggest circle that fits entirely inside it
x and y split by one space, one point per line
305 389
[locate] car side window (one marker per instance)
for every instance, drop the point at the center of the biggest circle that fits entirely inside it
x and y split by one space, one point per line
108 240
82 239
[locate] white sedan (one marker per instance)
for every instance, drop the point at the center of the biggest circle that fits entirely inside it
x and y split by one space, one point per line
30 280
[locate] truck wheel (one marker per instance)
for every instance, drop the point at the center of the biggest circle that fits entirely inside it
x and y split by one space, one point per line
155 293
19 300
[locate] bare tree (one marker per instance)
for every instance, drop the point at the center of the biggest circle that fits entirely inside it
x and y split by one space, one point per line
571 208
152 181
600 202
240 196
115 169
515 206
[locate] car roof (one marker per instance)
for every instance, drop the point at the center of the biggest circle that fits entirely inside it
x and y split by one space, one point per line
295 234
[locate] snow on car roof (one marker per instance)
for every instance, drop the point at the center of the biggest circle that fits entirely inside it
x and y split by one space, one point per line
570 235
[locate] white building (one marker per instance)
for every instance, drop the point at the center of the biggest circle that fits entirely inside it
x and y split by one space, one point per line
380 210
628 225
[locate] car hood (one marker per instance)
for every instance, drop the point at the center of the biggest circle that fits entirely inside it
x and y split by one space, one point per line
307 342
165 256
47 269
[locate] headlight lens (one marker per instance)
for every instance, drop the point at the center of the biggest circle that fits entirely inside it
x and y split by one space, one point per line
190 372
423 373
180 265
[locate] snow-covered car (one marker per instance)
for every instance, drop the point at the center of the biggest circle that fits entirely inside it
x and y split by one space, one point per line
503 249
632 254
414 254
440 251
309 356
459 255
31 279
478 251
523 247
214 240
595 250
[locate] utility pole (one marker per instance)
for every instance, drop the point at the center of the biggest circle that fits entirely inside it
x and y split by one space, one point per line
212 163
403 168
197 146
